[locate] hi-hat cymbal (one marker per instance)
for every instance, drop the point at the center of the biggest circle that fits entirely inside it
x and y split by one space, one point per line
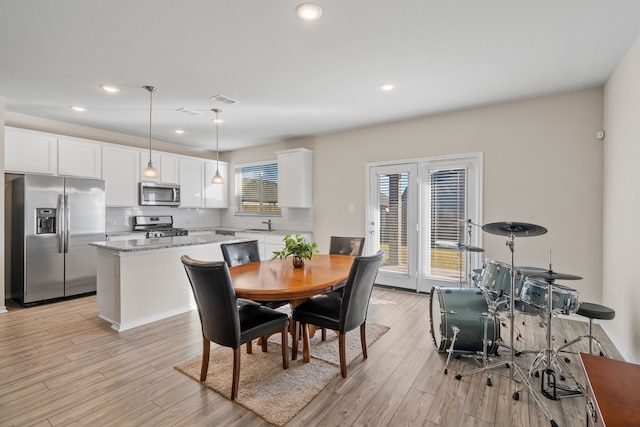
518 229
459 246
548 274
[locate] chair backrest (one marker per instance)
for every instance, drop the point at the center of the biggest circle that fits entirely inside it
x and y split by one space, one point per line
216 300
241 252
357 291
346 245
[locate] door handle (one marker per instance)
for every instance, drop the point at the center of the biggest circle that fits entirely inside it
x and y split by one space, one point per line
67 222
60 223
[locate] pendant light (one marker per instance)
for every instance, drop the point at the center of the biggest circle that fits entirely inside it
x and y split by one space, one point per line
217 178
150 171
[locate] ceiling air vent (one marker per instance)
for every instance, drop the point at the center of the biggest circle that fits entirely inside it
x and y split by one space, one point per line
188 111
224 99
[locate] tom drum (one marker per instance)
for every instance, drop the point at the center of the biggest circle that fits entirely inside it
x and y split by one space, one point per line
496 277
563 299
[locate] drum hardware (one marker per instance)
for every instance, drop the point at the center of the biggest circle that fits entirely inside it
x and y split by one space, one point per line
460 248
561 299
512 230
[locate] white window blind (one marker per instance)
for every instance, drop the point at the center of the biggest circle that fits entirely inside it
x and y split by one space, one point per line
257 189
448 207
392 203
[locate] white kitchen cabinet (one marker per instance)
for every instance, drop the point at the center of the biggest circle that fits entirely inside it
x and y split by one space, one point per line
191 182
216 195
169 168
121 172
144 162
79 157
30 151
294 178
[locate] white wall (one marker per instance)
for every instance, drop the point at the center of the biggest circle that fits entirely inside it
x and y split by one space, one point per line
621 280
543 165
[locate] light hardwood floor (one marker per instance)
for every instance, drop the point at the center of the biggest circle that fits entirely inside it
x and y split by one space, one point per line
62 365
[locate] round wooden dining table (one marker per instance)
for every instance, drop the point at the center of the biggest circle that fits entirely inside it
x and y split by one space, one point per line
278 280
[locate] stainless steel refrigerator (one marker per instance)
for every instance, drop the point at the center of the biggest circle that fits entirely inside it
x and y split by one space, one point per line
53 220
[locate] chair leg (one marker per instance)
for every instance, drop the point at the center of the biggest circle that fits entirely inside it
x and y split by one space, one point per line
236 373
324 334
590 336
343 354
363 339
306 351
206 348
285 348
264 344
294 342
249 347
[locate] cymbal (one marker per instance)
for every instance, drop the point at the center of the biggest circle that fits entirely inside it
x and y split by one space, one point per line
549 275
459 246
518 229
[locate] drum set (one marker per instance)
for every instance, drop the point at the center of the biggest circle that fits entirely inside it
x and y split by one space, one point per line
467 320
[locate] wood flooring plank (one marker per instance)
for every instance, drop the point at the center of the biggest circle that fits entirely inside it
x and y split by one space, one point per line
62 365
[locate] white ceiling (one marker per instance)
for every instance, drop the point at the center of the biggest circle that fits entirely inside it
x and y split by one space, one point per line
295 78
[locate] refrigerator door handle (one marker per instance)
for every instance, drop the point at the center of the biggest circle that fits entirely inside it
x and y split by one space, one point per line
60 223
67 222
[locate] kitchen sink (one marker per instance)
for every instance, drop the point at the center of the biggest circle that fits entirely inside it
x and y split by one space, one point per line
258 229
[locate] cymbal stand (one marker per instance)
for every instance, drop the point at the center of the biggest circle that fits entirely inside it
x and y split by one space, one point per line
514 368
550 360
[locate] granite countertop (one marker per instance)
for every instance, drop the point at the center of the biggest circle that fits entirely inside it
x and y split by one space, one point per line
147 244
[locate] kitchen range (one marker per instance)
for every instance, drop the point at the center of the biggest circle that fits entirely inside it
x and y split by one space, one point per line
158 226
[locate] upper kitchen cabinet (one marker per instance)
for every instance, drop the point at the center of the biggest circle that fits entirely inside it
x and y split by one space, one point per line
30 151
294 178
79 157
191 175
216 195
121 172
169 168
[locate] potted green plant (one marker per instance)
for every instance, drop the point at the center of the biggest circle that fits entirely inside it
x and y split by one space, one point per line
298 247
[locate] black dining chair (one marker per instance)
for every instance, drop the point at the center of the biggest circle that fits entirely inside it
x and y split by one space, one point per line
240 253
223 321
341 313
339 245
346 245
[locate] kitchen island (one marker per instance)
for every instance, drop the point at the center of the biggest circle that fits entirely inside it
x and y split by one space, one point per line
142 281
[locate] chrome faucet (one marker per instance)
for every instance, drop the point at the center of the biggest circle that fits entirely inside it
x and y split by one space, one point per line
268 222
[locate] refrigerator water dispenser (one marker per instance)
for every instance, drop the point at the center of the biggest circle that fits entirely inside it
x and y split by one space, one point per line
46 220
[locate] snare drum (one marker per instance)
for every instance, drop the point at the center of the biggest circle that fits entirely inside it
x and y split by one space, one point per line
461 308
496 277
564 298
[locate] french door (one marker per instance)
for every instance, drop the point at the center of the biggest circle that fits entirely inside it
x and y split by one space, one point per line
393 203
418 212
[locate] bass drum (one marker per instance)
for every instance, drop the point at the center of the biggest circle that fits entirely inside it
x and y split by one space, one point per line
461 308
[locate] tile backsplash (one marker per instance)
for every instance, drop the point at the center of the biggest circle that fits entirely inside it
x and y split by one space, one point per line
121 219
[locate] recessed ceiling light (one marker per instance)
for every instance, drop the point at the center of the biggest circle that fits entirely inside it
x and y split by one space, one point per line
110 89
217 121
387 87
178 131
309 12
78 108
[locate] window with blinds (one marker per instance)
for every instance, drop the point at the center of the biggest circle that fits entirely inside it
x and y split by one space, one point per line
448 210
392 205
257 189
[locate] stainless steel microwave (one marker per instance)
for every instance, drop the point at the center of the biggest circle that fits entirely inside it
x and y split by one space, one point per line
156 194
